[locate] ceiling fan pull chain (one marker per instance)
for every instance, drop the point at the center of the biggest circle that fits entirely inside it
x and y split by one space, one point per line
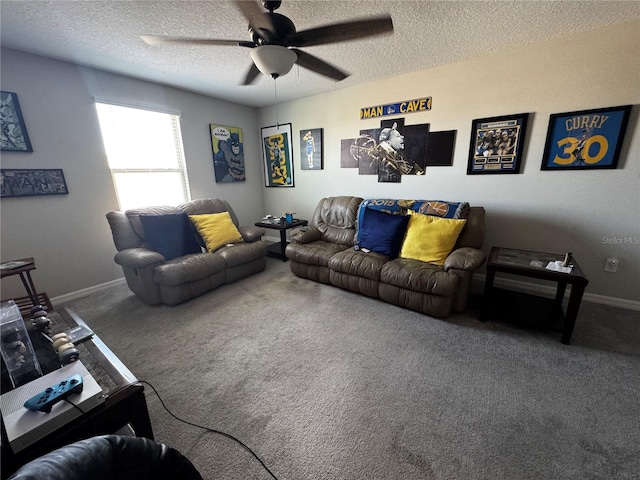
275 93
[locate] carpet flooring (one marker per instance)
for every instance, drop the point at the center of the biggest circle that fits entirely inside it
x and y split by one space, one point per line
326 384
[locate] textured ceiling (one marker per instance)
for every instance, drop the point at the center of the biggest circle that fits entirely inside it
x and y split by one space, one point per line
106 35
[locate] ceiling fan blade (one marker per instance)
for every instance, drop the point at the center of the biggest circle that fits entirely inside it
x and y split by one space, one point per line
314 64
340 32
259 20
158 40
251 75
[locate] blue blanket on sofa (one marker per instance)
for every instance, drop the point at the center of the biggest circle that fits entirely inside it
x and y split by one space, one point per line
438 208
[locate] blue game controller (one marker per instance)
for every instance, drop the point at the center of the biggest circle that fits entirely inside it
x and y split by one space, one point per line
45 400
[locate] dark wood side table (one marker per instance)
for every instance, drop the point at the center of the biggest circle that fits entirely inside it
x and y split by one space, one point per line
278 249
24 271
533 264
124 405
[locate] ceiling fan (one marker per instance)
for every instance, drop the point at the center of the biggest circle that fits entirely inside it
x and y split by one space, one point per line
274 40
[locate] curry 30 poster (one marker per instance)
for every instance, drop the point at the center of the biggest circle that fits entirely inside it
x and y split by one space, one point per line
588 139
277 155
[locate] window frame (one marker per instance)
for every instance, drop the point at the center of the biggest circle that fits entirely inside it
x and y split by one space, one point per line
181 168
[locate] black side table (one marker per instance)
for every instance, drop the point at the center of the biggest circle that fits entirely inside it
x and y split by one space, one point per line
532 264
278 249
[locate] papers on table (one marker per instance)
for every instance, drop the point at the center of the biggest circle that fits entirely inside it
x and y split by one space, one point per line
558 266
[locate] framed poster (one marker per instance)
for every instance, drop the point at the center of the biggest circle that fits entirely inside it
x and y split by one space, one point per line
311 149
28 183
228 153
277 155
13 132
587 139
497 144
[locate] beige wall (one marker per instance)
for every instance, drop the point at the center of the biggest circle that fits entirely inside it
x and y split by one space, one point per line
538 210
554 211
68 234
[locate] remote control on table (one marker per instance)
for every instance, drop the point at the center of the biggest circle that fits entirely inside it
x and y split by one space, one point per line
45 400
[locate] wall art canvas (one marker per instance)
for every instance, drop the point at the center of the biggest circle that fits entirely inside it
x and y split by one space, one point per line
587 139
497 144
347 159
440 147
415 147
228 153
13 132
311 149
365 150
27 183
277 155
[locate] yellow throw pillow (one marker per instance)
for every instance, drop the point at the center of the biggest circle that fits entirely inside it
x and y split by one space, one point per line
216 229
430 238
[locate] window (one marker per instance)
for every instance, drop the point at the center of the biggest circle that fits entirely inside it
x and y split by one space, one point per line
144 151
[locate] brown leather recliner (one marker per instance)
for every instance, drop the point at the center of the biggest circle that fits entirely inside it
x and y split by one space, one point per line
155 279
324 252
331 230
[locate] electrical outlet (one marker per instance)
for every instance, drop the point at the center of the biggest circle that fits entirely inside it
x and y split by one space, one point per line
611 264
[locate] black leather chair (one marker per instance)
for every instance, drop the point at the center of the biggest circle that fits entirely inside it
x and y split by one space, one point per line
110 457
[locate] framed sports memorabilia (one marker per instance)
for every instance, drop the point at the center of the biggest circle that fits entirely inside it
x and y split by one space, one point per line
311 157
497 144
277 155
587 139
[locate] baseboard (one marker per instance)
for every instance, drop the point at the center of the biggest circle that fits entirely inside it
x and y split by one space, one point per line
550 292
69 297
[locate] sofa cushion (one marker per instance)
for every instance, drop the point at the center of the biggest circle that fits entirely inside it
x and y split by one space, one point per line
419 276
189 269
358 263
430 239
216 229
171 235
314 253
382 232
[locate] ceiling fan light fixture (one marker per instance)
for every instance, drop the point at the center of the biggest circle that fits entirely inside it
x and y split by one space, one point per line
273 60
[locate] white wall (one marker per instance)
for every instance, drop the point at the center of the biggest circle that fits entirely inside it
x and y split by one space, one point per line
68 234
555 211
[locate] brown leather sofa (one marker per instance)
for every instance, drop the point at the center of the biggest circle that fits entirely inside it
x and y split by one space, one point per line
157 280
324 252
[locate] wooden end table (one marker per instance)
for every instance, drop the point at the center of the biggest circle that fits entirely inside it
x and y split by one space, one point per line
24 271
278 249
533 264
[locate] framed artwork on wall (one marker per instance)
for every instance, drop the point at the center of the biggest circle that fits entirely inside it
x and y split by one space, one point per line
497 144
277 155
32 182
228 153
587 139
311 157
13 132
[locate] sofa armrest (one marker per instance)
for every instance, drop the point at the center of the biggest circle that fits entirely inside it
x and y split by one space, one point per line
465 258
305 235
138 258
251 233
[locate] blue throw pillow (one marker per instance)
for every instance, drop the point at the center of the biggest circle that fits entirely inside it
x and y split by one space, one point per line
382 232
170 235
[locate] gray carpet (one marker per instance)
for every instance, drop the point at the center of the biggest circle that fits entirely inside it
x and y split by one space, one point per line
325 384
